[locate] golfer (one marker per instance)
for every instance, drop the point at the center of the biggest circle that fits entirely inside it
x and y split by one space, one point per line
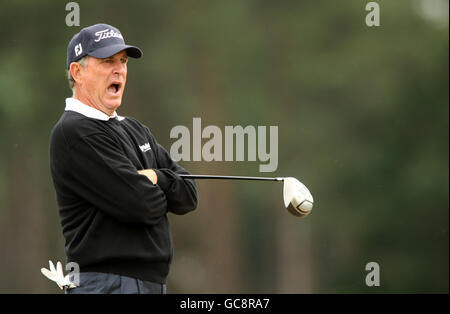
114 183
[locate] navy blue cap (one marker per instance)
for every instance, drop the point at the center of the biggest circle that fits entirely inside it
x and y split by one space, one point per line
98 41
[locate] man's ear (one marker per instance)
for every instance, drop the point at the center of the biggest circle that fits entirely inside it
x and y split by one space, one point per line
76 71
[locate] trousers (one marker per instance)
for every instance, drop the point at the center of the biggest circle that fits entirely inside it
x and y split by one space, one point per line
104 283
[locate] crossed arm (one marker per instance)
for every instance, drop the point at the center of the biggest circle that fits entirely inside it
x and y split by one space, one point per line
119 189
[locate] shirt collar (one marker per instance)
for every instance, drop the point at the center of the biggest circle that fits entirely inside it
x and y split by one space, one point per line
73 104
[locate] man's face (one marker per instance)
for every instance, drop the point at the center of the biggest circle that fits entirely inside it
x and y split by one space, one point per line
103 82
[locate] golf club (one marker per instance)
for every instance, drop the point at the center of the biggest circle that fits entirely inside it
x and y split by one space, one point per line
297 198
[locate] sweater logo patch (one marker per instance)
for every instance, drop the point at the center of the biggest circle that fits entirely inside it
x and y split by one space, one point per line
145 147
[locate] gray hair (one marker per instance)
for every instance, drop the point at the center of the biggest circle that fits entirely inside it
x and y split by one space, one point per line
83 62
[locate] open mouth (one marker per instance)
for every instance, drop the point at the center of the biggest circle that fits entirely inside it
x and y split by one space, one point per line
114 88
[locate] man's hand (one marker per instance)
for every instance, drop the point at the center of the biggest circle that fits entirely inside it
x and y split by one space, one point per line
149 173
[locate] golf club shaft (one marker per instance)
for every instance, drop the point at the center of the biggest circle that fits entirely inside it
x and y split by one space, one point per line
201 176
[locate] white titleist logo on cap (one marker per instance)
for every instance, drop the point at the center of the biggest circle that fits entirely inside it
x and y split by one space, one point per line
106 33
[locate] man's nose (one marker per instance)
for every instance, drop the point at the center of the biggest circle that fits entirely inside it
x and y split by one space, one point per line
120 68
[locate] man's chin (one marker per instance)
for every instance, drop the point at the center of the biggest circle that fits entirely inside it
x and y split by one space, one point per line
113 104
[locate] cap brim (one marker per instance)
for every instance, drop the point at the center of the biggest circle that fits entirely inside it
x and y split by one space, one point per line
109 51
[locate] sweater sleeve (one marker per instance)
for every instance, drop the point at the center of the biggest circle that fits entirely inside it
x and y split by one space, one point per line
106 178
181 193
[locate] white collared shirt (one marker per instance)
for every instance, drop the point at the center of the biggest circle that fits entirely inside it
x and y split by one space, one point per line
73 104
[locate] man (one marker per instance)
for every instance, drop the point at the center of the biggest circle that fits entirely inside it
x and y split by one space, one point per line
114 183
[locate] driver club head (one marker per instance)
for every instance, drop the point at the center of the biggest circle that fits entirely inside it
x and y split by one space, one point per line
297 198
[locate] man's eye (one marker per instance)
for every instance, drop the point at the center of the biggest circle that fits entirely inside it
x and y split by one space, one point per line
108 61
124 61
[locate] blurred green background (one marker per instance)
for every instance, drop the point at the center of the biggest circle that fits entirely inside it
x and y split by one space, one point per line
362 116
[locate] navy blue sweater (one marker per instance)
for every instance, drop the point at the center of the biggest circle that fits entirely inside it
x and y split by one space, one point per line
114 219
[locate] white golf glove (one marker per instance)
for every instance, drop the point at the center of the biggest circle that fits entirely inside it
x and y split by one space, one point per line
57 275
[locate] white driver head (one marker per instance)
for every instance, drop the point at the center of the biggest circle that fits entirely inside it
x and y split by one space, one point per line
297 198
